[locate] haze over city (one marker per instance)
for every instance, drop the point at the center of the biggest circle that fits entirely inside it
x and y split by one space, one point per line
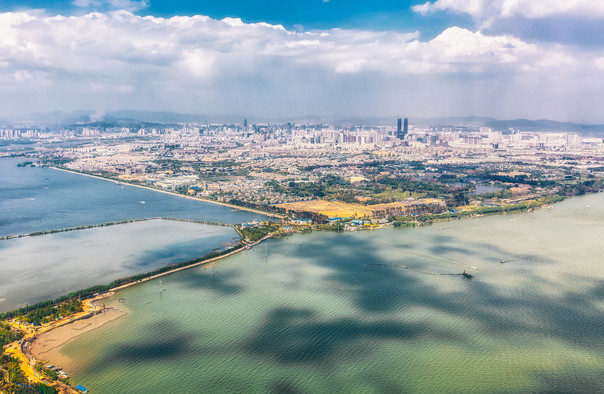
504 59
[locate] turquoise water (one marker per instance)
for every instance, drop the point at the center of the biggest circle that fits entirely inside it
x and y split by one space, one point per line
45 267
37 199
372 312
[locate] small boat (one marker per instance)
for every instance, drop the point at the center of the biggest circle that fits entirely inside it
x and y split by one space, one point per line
81 388
466 275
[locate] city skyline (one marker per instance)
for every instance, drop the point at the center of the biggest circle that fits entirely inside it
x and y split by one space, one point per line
423 59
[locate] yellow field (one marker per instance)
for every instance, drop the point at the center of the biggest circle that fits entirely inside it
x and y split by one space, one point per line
379 207
336 209
331 209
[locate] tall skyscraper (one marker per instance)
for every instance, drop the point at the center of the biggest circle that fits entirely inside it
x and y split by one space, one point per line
402 128
245 124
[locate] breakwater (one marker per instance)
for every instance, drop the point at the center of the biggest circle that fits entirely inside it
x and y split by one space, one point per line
89 226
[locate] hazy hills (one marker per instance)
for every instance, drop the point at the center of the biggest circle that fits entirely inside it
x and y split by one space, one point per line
136 119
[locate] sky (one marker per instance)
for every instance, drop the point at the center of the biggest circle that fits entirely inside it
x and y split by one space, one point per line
276 59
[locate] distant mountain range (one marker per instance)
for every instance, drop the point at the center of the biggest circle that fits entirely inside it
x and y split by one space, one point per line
121 118
546 125
148 119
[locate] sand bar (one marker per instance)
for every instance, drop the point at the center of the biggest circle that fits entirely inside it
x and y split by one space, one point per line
47 346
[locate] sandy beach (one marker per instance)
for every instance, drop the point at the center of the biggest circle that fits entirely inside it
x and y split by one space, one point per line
50 341
47 346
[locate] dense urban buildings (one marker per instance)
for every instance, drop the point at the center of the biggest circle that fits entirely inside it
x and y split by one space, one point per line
376 172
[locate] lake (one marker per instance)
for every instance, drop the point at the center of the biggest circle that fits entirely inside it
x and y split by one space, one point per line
37 268
375 312
36 199
45 267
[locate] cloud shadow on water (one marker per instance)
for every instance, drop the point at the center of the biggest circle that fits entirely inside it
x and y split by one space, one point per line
209 277
573 317
174 252
381 292
163 340
300 336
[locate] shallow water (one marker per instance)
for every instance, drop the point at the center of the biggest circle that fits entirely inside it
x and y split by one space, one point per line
373 312
45 267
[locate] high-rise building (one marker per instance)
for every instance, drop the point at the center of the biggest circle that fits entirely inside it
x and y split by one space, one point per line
402 128
245 124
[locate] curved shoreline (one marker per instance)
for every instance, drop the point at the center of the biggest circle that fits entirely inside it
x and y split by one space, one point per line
271 214
23 349
65 330
47 346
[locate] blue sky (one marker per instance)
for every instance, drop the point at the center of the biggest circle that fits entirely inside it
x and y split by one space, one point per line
278 59
317 14
293 14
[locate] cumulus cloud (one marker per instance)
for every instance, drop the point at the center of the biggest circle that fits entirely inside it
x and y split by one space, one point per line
487 11
120 43
599 63
540 9
196 63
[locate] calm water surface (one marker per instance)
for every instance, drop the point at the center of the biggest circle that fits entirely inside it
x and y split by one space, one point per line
45 267
38 199
373 312
35 199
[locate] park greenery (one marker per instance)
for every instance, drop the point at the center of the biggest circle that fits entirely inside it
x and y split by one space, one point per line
409 220
48 313
50 373
12 379
11 371
256 233
7 335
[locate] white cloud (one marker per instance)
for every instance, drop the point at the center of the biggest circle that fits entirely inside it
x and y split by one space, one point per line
599 63
475 8
485 12
121 59
200 63
535 9
21 75
121 43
